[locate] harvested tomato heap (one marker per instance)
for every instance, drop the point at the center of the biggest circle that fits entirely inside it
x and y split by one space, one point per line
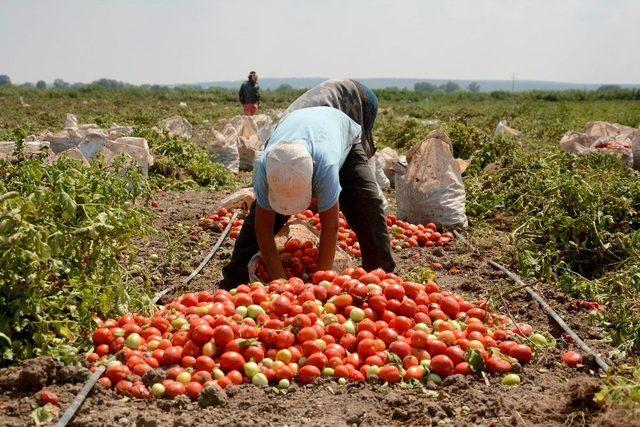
299 259
352 326
220 221
403 234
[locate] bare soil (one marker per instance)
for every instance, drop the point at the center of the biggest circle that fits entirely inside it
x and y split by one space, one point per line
550 393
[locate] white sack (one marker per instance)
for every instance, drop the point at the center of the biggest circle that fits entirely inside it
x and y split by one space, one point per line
432 189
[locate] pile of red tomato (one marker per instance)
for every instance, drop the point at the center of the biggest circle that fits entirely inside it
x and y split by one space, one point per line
403 234
349 327
220 220
299 259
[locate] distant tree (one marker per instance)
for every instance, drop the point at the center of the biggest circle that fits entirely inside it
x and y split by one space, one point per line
473 87
5 80
41 84
108 83
284 86
450 87
425 87
59 83
27 85
609 87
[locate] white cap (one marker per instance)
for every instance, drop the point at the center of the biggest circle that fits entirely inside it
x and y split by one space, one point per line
289 170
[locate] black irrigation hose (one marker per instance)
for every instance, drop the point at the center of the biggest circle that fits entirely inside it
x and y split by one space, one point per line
551 312
204 262
91 381
547 308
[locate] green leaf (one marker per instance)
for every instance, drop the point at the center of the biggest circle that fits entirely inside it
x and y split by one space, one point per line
476 362
45 414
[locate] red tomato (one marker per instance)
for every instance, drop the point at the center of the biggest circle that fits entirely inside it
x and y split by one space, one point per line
450 307
497 366
401 348
521 352
222 335
174 389
102 336
308 374
172 355
47 396
394 291
462 368
414 373
193 390
441 365
572 358
390 374
204 363
231 360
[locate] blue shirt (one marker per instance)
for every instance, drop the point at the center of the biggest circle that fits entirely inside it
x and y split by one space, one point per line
328 134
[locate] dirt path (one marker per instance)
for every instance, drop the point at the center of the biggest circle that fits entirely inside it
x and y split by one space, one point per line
550 393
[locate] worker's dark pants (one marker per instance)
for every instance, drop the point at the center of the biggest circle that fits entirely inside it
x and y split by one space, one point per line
362 207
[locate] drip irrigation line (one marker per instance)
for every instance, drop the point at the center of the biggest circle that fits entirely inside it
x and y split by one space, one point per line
204 262
546 307
551 312
91 381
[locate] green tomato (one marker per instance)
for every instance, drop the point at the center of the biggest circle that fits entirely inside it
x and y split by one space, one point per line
283 355
233 291
426 364
217 374
157 390
153 257
350 327
435 378
357 314
283 384
241 310
254 311
133 341
372 287
511 379
260 380
114 363
539 339
184 377
373 370
251 369
325 284
342 381
329 318
179 322
268 363
423 327
328 372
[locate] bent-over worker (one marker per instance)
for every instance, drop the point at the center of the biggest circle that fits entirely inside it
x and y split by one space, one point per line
316 152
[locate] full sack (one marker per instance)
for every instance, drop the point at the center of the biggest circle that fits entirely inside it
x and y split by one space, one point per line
432 190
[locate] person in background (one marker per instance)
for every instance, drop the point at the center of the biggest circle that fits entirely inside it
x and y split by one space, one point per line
249 94
318 151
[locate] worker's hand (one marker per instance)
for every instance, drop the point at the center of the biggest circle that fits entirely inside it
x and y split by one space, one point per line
267 243
328 237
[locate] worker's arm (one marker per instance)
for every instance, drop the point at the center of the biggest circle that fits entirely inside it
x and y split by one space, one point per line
328 237
241 95
267 243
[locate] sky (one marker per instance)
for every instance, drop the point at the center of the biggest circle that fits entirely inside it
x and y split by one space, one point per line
187 41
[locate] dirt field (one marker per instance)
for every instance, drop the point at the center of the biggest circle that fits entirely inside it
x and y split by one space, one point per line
550 393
